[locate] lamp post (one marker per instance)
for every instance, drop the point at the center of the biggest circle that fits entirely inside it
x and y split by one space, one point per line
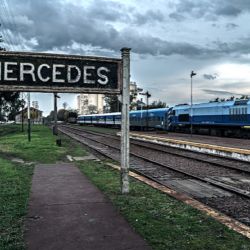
191 106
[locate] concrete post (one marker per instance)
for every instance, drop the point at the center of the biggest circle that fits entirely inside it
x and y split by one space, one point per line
125 52
29 125
55 130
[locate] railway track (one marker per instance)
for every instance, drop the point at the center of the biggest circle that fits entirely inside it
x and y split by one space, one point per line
219 161
179 178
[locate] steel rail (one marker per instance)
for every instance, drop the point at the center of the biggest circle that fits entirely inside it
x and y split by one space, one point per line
134 142
206 180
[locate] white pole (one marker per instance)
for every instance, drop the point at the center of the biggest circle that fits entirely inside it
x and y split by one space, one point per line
125 52
29 126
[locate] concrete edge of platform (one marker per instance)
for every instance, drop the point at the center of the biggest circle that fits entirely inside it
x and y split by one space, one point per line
234 153
222 218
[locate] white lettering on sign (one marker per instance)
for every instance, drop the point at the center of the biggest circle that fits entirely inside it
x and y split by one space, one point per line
104 79
86 74
8 71
39 72
29 71
57 73
69 74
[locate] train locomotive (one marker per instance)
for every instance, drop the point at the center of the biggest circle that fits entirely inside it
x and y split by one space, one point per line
227 118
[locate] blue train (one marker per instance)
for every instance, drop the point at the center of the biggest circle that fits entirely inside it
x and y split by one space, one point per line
228 118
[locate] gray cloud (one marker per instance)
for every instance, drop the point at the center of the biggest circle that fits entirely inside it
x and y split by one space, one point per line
151 16
231 26
223 92
210 77
210 9
62 24
228 10
219 92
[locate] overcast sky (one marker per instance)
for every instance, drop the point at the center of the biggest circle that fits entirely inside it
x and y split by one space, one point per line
168 38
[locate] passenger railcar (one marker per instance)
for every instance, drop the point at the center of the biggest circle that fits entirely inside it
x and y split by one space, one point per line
152 119
108 119
229 118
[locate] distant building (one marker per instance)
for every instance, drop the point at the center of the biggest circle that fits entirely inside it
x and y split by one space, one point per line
36 116
94 103
35 104
134 93
90 103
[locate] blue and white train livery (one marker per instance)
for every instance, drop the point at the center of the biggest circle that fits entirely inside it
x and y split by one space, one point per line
228 118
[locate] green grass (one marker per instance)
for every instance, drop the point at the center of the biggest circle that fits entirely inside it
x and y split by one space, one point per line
163 221
15 179
42 147
8 129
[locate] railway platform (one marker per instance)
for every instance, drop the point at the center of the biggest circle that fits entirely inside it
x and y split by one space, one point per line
228 147
66 211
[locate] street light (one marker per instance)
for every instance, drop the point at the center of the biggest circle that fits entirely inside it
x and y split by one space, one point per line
191 106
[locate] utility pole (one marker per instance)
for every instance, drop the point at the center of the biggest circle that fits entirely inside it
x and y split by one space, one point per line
125 53
191 106
29 125
22 112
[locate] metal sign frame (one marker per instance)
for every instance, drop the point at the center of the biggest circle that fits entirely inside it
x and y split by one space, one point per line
47 61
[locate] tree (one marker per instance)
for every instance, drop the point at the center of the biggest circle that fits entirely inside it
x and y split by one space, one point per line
157 104
112 103
65 105
92 109
15 108
61 114
51 115
230 98
72 115
9 103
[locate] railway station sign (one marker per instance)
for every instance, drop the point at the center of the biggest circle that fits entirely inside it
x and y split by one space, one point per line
42 72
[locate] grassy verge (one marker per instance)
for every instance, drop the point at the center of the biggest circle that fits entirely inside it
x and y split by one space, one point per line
163 221
15 179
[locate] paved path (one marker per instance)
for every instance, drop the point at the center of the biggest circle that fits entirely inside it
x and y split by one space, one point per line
67 212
